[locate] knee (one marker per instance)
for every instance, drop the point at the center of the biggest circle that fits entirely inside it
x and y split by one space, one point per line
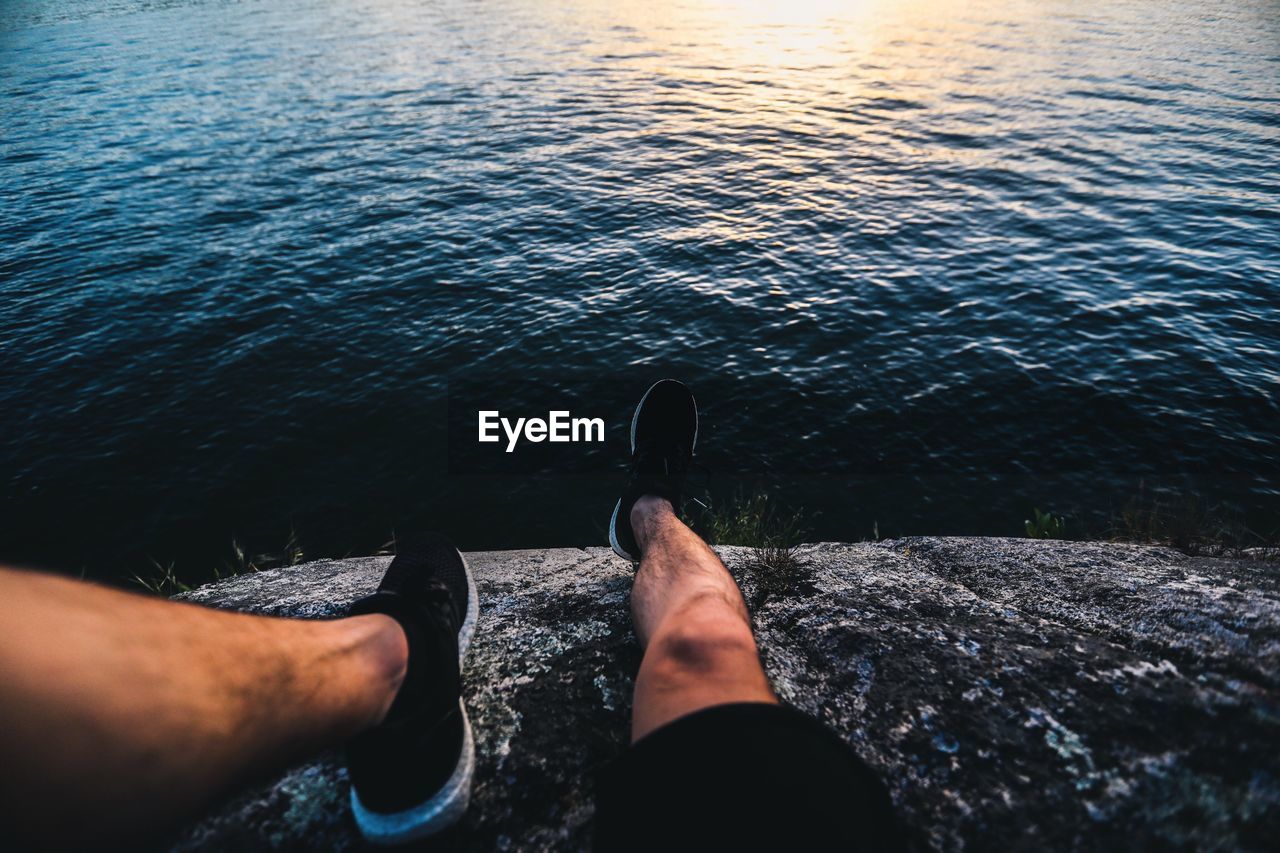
703 638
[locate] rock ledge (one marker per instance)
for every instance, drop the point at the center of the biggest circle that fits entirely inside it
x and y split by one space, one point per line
1013 694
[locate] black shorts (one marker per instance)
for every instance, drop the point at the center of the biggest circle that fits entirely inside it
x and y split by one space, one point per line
747 776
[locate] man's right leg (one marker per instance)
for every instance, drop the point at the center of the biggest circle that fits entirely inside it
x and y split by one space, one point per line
692 623
715 762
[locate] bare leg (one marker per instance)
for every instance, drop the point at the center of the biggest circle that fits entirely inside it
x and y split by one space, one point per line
692 622
119 711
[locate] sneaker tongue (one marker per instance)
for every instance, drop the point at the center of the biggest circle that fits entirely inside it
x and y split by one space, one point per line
661 458
414 583
406 574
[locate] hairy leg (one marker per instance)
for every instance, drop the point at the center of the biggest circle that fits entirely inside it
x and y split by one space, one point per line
121 713
692 622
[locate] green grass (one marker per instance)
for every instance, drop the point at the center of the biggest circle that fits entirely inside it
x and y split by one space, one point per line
1181 520
1185 521
753 520
756 521
1046 526
163 580
289 555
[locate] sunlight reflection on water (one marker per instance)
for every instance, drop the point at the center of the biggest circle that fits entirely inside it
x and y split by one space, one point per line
960 257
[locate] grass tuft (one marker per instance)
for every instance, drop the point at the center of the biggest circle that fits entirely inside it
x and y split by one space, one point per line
1046 526
756 521
291 554
752 520
164 581
1186 522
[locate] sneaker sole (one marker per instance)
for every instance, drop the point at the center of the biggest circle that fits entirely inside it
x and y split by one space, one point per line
613 521
447 806
613 535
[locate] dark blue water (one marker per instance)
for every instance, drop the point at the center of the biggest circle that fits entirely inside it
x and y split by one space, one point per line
926 265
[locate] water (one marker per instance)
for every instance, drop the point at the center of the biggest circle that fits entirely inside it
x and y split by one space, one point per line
927 265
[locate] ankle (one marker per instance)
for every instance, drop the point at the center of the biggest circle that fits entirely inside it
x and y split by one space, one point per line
385 649
647 513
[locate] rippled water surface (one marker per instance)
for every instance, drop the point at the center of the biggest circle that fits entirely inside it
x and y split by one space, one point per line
926 265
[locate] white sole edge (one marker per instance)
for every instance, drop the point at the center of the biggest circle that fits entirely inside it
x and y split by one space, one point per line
468 629
613 535
447 806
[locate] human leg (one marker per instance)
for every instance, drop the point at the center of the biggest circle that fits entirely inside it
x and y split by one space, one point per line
120 711
716 762
692 622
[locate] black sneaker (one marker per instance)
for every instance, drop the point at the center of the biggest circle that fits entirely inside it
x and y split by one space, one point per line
664 434
411 775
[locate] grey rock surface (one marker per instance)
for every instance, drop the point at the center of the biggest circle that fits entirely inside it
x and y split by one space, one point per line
1012 694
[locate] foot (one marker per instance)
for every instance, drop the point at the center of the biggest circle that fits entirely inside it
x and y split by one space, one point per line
411 774
664 434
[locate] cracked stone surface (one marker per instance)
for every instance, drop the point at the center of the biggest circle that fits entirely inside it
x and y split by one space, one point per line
1012 693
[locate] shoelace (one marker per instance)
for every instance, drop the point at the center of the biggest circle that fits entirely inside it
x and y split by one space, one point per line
438 598
706 482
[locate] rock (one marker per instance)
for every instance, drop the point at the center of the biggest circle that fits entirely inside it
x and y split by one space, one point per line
1012 693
